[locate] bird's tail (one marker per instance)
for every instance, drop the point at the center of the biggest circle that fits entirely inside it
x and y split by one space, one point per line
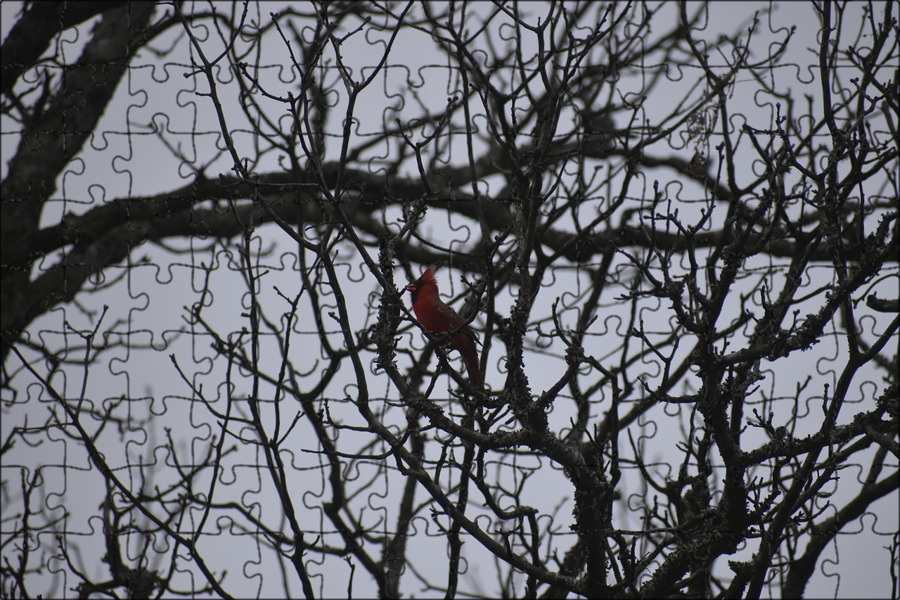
474 369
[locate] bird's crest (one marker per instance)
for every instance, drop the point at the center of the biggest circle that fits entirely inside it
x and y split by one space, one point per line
428 276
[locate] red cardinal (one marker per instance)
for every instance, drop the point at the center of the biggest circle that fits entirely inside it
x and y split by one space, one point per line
439 319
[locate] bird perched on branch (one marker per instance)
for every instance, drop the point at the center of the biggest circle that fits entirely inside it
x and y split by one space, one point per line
446 327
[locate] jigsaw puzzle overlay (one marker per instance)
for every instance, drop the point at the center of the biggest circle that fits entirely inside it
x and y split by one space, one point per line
673 230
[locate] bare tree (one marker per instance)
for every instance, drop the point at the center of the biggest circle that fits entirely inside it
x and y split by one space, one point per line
677 243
